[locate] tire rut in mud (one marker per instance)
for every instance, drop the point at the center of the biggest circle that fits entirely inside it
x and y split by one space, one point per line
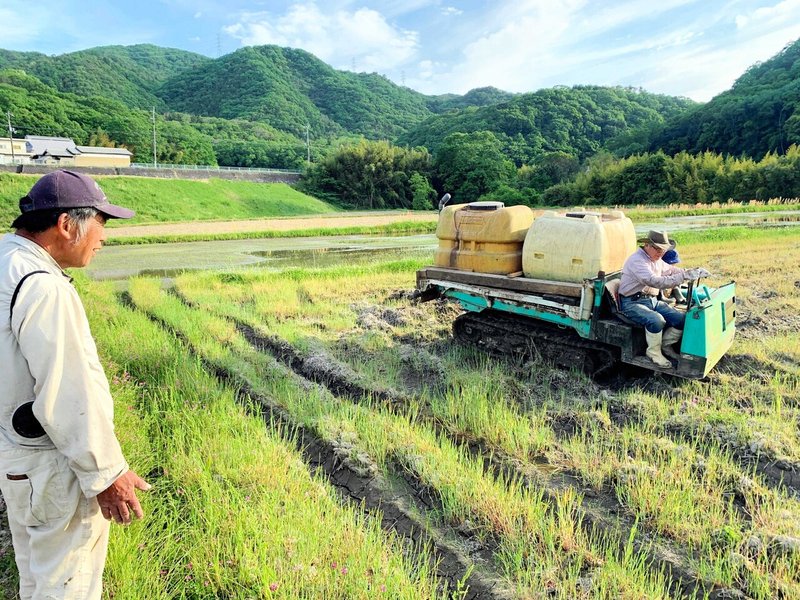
397 508
778 474
597 507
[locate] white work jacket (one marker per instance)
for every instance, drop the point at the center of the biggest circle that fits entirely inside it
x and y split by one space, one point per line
48 356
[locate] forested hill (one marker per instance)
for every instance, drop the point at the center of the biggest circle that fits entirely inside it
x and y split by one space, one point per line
759 114
281 88
130 74
577 121
290 88
484 96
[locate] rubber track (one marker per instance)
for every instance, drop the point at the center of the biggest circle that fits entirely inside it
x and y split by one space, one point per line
515 336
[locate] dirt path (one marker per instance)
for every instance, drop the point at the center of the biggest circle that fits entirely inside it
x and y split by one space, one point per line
278 224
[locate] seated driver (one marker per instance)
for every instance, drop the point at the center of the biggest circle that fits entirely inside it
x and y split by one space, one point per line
643 275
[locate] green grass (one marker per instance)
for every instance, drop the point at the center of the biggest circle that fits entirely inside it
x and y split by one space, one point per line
174 200
234 512
648 213
541 547
739 234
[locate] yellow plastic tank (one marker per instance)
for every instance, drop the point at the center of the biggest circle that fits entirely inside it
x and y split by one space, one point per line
485 237
577 245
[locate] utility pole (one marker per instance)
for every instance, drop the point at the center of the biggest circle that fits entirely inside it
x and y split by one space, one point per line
155 162
308 147
11 136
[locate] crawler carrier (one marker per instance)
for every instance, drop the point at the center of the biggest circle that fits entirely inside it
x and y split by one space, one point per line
563 302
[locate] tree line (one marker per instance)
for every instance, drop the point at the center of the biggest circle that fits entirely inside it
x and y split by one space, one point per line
472 167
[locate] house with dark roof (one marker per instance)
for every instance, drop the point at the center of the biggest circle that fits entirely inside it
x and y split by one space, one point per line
64 152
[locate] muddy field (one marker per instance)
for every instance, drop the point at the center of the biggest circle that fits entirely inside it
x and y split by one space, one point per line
679 488
509 477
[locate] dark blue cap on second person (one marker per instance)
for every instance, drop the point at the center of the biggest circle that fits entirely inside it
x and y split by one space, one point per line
671 257
67 189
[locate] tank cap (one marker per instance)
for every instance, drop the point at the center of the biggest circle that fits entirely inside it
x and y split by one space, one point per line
485 205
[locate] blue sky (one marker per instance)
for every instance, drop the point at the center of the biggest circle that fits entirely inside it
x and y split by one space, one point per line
694 48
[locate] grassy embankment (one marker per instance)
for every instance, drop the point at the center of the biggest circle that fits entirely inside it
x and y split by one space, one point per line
684 459
179 200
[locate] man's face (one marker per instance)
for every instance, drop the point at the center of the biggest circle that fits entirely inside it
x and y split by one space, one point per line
81 253
654 252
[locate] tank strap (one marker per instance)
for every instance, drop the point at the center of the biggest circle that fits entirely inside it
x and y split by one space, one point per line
23 421
16 292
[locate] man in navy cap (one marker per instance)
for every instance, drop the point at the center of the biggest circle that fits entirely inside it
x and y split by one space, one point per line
62 472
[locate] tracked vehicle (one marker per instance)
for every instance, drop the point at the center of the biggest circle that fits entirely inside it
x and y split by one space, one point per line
547 283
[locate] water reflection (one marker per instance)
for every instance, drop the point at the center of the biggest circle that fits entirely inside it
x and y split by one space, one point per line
169 260
326 257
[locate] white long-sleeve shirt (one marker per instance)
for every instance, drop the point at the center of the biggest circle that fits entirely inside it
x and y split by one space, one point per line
48 356
642 274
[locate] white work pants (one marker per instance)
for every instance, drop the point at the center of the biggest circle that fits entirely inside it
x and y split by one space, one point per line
60 537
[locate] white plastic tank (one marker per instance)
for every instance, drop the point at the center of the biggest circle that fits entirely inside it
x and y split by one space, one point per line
577 245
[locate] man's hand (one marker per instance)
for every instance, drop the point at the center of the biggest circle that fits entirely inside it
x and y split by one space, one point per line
118 499
691 274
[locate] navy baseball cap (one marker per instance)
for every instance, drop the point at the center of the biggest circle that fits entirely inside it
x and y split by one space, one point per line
671 257
67 189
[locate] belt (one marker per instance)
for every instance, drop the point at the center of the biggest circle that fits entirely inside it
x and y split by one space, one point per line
637 295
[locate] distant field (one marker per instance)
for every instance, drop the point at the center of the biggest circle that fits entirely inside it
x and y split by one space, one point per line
175 200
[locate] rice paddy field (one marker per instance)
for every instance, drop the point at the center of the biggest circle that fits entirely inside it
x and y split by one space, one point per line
316 433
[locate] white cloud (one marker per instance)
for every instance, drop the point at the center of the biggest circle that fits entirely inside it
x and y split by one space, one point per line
451 11
706 71
198 15
518 40
780 13
339 37
21 24
673 46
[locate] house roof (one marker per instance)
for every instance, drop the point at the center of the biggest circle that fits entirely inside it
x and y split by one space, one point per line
53 146
39 145
102 150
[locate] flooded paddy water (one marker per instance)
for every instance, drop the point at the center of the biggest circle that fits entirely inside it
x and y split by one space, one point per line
121 262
